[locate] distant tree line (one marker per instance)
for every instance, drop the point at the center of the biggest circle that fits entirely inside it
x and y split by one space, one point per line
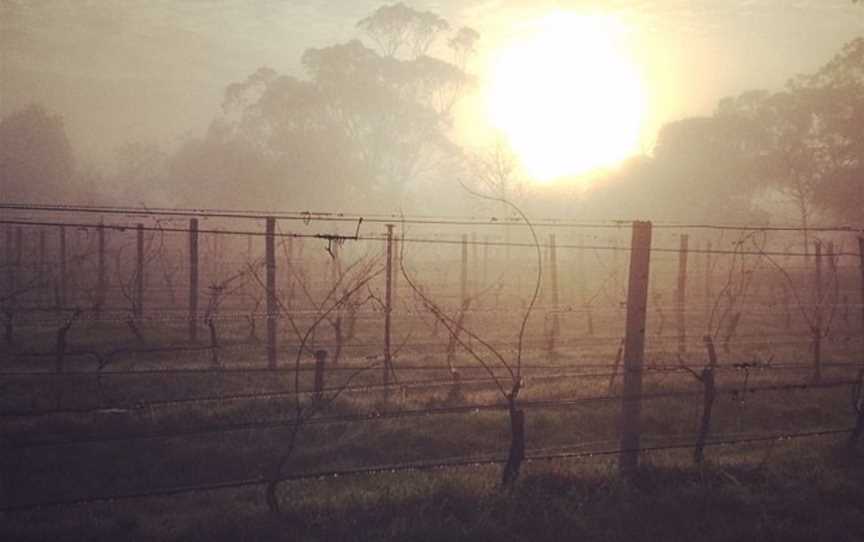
363 125
369 121
802 147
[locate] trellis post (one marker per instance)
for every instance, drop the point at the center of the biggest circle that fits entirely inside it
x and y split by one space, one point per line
272 310
634 346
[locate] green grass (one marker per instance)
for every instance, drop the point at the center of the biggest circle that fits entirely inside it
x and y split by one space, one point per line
809 490
806 489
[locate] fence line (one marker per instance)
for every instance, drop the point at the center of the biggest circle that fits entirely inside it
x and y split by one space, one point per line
418 240
412 413
726 308
401 385
751 365
408 467
308 216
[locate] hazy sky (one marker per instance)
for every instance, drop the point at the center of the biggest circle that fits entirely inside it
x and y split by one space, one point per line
155 70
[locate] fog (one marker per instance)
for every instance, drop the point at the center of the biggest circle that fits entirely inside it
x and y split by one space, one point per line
429 270
139 84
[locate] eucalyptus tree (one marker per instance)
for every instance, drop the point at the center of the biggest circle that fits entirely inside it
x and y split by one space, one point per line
36 159
356 129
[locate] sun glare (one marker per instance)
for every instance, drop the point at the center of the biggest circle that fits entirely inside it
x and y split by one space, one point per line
567 96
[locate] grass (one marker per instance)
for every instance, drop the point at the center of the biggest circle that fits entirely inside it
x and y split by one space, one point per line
805 489
808 491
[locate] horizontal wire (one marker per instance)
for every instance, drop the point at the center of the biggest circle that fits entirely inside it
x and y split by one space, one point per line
308 216
411 384
407 368
382 238
403 414
419 466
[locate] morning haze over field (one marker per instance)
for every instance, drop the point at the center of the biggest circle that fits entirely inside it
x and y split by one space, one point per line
432 270
570 89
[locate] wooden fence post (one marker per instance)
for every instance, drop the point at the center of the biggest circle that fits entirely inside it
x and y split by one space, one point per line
193 279
835 279
615 366
475 265
817 320
634 346
336 277
291 269
582 285
64 280
19 254
709 293
463 279
861 269
332 264
396 268
320 363
43 292
388 305
138 305
681 295
616 261
485 260
272 309
101 274
11 264
553 271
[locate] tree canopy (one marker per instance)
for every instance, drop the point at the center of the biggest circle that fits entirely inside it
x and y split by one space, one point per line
36 161
357 130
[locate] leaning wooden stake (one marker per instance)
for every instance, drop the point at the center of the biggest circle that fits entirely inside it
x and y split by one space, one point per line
634 346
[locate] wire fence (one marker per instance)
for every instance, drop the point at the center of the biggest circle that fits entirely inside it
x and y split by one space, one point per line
174 324
407 467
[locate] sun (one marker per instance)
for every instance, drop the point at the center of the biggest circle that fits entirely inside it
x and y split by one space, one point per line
567 96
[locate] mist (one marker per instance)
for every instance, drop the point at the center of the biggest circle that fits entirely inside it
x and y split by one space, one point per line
432 270
153 75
